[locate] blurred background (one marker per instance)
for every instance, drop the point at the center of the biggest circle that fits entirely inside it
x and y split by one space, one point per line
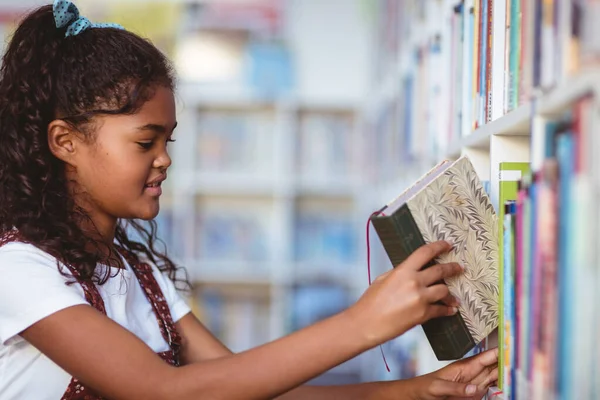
283 151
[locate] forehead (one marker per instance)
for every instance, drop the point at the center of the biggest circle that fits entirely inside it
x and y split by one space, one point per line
158 110
160 105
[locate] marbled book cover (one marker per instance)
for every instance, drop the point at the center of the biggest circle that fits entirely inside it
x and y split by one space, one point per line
456 208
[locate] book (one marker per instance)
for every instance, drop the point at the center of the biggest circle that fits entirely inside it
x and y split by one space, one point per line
510 173
449 203
508 272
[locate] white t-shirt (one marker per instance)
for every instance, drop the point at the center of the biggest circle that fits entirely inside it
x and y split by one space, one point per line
32 288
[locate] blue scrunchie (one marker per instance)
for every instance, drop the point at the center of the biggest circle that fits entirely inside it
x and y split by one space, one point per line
67 14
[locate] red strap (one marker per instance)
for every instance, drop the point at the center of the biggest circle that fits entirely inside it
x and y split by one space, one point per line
369 273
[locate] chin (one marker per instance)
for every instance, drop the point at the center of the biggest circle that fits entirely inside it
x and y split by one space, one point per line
148 214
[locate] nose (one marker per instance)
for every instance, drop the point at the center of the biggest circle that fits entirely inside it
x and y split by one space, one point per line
162 161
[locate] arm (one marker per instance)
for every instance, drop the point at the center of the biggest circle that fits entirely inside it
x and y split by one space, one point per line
118 365
479 371
467 379
200 345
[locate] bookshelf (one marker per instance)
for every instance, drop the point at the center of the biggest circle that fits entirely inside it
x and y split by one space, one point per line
439 93
266 179
275 235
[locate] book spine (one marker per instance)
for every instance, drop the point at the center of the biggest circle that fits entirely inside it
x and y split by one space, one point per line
507 48
476 63
400 236
488 62
537 52
499 49
515 29
483 64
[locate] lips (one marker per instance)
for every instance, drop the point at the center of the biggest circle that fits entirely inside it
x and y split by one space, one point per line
153 187
156 181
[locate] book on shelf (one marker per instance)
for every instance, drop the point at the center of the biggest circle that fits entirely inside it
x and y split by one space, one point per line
510 173
233 230
466 63
235 141
550 252
450 203
239 316
324 145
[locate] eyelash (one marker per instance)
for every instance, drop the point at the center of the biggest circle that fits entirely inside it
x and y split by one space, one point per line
148 145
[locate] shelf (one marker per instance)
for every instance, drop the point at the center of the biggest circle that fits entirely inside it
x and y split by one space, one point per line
230 273
199 95
566 93
515 123
306 272
318 186
233 184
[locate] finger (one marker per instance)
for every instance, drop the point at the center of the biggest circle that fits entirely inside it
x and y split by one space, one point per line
443 388
436 311
450 300
488 357
491 378
437 293
480 364
484 377
426 253
439 272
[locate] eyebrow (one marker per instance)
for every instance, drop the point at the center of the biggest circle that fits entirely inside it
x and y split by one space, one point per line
156 128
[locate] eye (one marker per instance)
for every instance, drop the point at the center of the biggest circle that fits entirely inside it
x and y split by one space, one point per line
170 140
145 145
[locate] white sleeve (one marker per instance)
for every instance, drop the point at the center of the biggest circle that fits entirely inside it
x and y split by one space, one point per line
177 304
31 288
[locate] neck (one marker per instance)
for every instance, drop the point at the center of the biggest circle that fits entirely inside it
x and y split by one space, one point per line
97 224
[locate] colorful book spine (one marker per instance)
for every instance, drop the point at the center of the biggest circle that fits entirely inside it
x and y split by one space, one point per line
508 278
510 173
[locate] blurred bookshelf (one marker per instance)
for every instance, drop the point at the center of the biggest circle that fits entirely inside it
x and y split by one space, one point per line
505 81
266 183
265 220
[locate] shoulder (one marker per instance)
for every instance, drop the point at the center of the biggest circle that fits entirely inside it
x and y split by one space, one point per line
15 254
31 288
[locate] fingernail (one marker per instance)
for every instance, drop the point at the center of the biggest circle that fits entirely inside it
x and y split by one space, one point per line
457 300
471 389
454 310
450 243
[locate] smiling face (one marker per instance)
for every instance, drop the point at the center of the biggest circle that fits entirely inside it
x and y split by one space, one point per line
117 174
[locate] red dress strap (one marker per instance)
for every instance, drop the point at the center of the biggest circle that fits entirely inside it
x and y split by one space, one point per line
155 296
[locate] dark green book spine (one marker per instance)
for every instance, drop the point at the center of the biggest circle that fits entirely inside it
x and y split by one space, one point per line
400 236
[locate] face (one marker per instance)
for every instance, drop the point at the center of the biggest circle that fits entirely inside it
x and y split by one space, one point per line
119 173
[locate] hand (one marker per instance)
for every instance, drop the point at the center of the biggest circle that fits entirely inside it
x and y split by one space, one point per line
469 378
405 297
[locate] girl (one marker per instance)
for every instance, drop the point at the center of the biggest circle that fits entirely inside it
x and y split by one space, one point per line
86 113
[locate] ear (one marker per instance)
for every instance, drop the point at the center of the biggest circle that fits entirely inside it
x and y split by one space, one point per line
63 141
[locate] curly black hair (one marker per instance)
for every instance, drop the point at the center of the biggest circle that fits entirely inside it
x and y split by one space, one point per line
47 76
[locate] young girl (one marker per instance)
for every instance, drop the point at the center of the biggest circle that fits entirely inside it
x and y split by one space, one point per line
86 114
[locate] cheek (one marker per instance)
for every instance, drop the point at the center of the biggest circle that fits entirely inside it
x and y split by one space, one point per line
113 173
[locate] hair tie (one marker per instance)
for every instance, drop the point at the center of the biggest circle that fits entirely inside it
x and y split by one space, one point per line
67 14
